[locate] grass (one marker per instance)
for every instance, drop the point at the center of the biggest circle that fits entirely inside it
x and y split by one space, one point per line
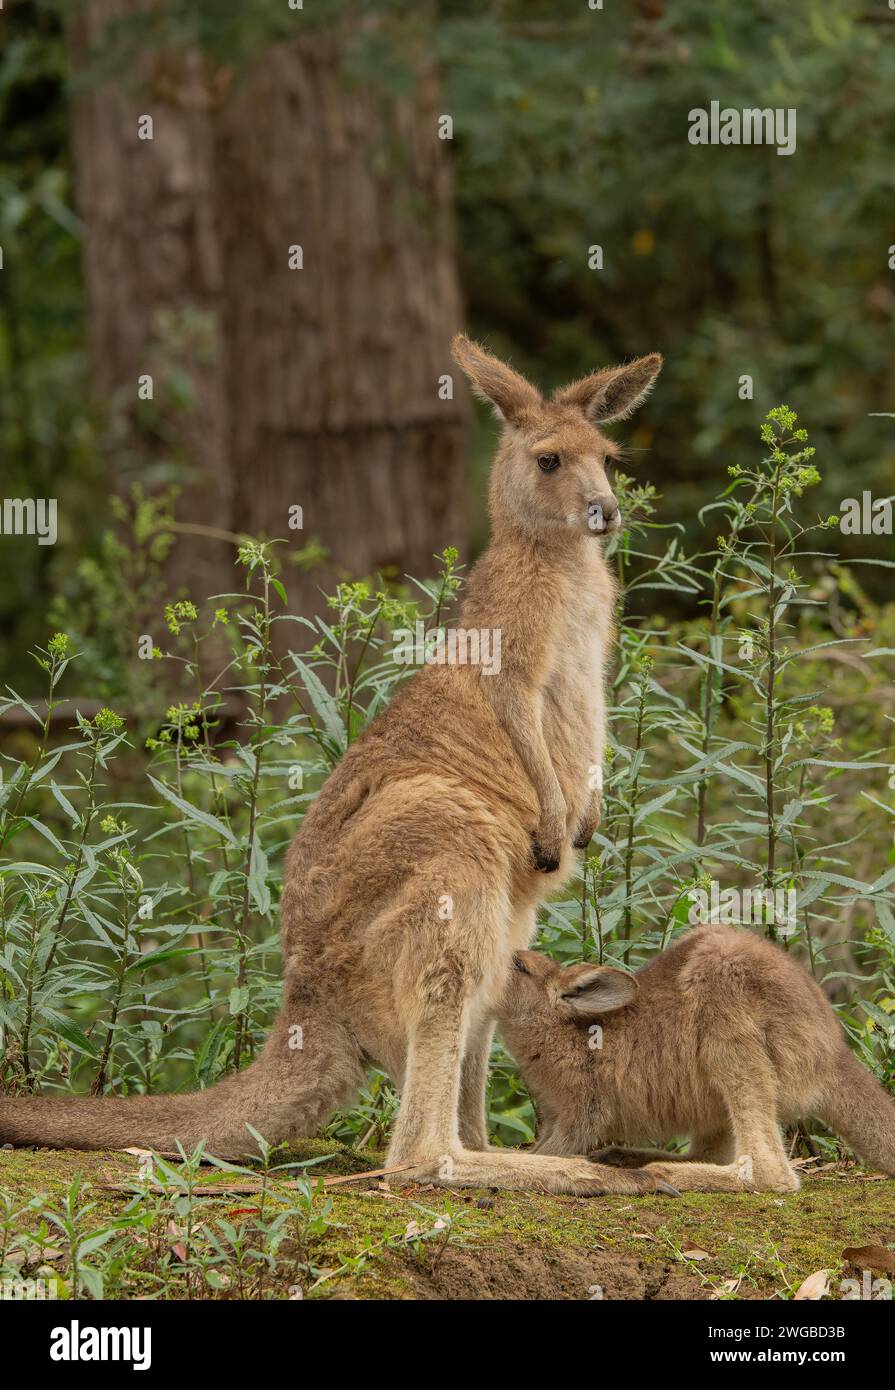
384 1241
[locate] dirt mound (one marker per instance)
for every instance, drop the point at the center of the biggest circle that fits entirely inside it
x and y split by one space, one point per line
515 1272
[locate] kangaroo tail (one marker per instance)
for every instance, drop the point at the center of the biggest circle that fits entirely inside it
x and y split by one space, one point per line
299 1079
858 1109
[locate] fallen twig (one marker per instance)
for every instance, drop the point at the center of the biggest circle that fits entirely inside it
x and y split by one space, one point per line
250 1189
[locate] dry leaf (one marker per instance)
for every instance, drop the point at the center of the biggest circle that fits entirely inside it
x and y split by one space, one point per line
178 1248
875 1257
49 1252
693 1252
727 1286
815 1286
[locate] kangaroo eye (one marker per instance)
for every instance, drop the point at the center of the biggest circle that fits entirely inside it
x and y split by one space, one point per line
548 463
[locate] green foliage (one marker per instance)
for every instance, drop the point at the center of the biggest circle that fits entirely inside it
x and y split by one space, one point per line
179 1234
146 937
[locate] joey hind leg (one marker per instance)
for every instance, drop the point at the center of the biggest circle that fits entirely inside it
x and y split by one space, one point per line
635 1158
714 1146
758 1143
747 1173
759 1162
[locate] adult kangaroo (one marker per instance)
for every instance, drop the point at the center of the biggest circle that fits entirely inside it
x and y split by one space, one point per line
417 871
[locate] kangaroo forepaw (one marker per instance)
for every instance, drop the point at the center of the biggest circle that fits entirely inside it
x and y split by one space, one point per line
583 838
617 1157
546 858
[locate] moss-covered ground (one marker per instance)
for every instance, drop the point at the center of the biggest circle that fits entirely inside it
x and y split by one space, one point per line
384 1239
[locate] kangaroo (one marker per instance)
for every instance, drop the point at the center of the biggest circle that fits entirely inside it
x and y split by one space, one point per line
723 1037
416 873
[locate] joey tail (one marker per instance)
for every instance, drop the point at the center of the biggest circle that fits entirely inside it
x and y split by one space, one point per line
861 1111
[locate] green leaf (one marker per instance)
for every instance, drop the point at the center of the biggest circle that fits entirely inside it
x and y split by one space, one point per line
156 957
238 999
71 1032
65 804
6 788
885 918
258 889
325 706
655 805
47 834
791 812
94 1242
193 813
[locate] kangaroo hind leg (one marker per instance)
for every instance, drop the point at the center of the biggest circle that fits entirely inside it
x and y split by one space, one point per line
759 1162
446 980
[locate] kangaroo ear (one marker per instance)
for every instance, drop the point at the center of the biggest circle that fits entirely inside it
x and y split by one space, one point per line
492 380
614 392
598 989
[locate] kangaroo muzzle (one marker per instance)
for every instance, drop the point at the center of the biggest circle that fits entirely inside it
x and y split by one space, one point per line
603 515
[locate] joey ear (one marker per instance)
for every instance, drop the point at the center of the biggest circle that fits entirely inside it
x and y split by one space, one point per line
614 392
599 990
492 380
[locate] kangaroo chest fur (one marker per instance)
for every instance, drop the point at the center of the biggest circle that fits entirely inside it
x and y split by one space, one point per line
573 707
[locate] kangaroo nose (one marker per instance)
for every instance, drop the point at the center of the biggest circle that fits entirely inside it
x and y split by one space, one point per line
603 514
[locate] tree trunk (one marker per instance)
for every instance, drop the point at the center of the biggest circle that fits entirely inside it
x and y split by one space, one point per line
154 285
316 387
334 367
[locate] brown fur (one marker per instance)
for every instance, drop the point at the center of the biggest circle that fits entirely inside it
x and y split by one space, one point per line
723 1037
417 871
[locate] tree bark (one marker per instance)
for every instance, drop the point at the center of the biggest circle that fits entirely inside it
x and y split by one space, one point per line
334 368
316 386
154 286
